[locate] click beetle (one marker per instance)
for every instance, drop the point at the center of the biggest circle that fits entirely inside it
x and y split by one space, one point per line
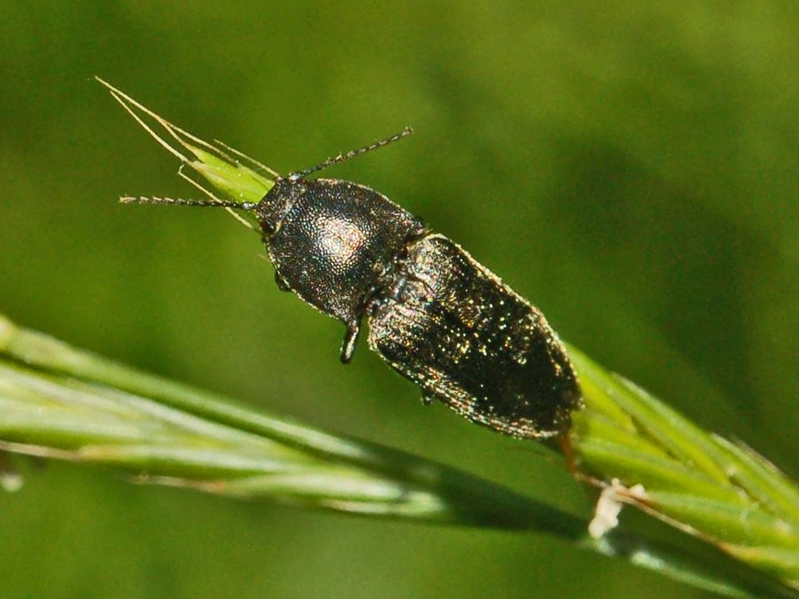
435 315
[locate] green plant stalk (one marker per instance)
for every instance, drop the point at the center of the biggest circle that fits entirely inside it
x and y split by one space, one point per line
707 486
90 409
60 402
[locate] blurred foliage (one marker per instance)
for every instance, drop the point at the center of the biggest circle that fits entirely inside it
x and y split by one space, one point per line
629 167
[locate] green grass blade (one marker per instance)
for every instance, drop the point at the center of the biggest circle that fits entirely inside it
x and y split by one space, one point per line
229 172
696 481
60 402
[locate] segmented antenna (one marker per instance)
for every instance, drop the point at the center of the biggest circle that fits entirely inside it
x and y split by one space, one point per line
351 154
181 202
250 206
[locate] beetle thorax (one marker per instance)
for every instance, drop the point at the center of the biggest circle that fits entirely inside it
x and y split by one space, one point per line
340 241
333 241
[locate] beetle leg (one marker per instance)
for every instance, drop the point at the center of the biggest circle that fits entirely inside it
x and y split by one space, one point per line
281 282
350 340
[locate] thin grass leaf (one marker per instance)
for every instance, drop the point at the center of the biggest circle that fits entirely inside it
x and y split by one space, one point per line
696 481
59 402
219 164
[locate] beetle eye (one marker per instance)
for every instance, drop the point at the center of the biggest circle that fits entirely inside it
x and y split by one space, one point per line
268 228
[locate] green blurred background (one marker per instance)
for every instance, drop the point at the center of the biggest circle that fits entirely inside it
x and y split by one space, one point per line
631 167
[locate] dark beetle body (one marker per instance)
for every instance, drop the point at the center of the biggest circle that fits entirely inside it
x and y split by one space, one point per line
334 244
471 342
435 314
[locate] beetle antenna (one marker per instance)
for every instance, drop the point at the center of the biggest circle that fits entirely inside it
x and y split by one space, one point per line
349 155
181 202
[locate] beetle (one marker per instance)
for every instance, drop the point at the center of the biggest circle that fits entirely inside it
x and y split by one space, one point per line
435 315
